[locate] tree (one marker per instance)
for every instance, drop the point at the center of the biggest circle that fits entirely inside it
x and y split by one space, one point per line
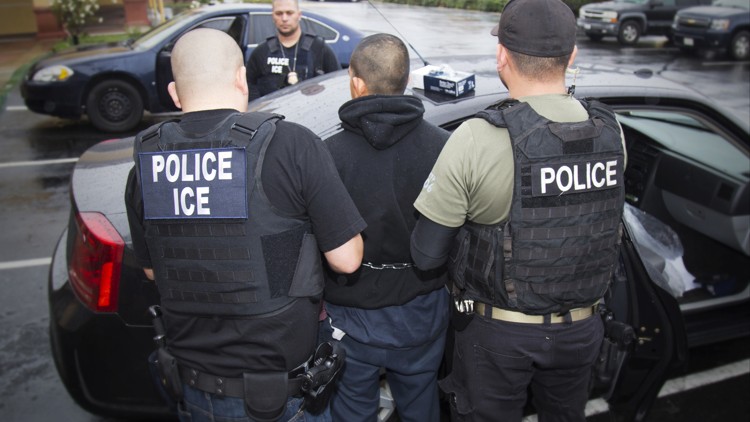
75 15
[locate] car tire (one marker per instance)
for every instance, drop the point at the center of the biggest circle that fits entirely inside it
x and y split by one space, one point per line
740 46
629 33
114 106
595 37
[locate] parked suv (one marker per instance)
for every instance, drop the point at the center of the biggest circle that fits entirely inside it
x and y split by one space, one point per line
629 19
724 27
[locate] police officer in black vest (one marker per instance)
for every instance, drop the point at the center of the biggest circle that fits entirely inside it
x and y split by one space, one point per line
229 212
529 196
289 56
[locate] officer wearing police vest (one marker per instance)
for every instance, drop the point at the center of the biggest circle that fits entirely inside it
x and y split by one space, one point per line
229 212
290 56
524 203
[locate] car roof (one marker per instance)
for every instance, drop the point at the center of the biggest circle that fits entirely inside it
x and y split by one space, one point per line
222 8
617 86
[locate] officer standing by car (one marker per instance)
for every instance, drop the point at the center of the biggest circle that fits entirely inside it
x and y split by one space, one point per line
525 203
289 56
388 314
229 212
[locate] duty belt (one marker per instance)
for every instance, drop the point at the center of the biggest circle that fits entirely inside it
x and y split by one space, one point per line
573 315
234 387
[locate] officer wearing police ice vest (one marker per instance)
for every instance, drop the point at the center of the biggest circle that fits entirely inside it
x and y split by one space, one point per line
290 56
229 212
524 203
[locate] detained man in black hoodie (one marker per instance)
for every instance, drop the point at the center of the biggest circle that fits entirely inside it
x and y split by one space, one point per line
389 314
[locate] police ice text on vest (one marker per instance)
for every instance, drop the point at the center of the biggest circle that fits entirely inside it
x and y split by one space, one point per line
197 183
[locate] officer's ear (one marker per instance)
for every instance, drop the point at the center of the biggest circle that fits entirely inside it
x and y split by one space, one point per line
240 80
573 56
502 58
172 89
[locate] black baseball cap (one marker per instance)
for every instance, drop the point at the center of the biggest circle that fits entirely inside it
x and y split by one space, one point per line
542 28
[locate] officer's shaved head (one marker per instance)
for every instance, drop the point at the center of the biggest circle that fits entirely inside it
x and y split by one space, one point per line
382 62
205 64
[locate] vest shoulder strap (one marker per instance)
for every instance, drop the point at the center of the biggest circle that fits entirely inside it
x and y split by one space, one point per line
252 121
312 42
247 125
152 131
597 108
494 114
273 43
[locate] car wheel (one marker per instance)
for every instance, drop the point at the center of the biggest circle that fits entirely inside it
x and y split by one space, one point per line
629 33
595 37
114 106
740 47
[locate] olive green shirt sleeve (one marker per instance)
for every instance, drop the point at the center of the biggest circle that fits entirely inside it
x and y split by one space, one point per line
472 178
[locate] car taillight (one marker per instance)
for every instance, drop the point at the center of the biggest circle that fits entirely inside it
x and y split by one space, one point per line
96 263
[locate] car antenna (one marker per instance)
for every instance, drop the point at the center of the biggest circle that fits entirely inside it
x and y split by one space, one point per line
399 33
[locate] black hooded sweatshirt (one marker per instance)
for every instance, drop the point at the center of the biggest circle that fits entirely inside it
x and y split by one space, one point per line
384 155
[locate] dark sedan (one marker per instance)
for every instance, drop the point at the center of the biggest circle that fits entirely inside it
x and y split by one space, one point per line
114 84
685 259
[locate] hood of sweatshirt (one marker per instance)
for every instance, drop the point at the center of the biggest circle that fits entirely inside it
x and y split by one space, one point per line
382 120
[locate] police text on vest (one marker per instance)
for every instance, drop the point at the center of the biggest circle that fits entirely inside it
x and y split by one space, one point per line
558 179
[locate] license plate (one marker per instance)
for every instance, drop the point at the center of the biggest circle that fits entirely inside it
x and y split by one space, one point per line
688 42
586 26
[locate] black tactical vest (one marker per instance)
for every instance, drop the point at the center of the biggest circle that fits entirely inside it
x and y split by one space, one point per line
558 248
308 63
216 244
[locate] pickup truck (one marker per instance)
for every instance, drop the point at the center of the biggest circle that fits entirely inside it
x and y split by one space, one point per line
629 19
724 27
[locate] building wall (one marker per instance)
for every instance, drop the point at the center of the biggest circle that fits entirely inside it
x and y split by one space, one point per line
17 17
24 17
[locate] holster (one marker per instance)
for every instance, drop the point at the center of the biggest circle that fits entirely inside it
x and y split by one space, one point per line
618 337
319 381
169 373
265 395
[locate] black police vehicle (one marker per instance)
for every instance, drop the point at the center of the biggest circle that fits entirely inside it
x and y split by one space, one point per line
683 278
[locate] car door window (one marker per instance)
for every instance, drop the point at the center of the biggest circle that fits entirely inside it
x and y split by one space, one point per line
222 24
686 172
312 26
262 27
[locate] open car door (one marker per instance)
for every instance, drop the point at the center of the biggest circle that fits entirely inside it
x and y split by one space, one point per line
646 337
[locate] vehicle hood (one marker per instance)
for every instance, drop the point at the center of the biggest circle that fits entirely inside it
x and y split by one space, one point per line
712 11
81 55
611 5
